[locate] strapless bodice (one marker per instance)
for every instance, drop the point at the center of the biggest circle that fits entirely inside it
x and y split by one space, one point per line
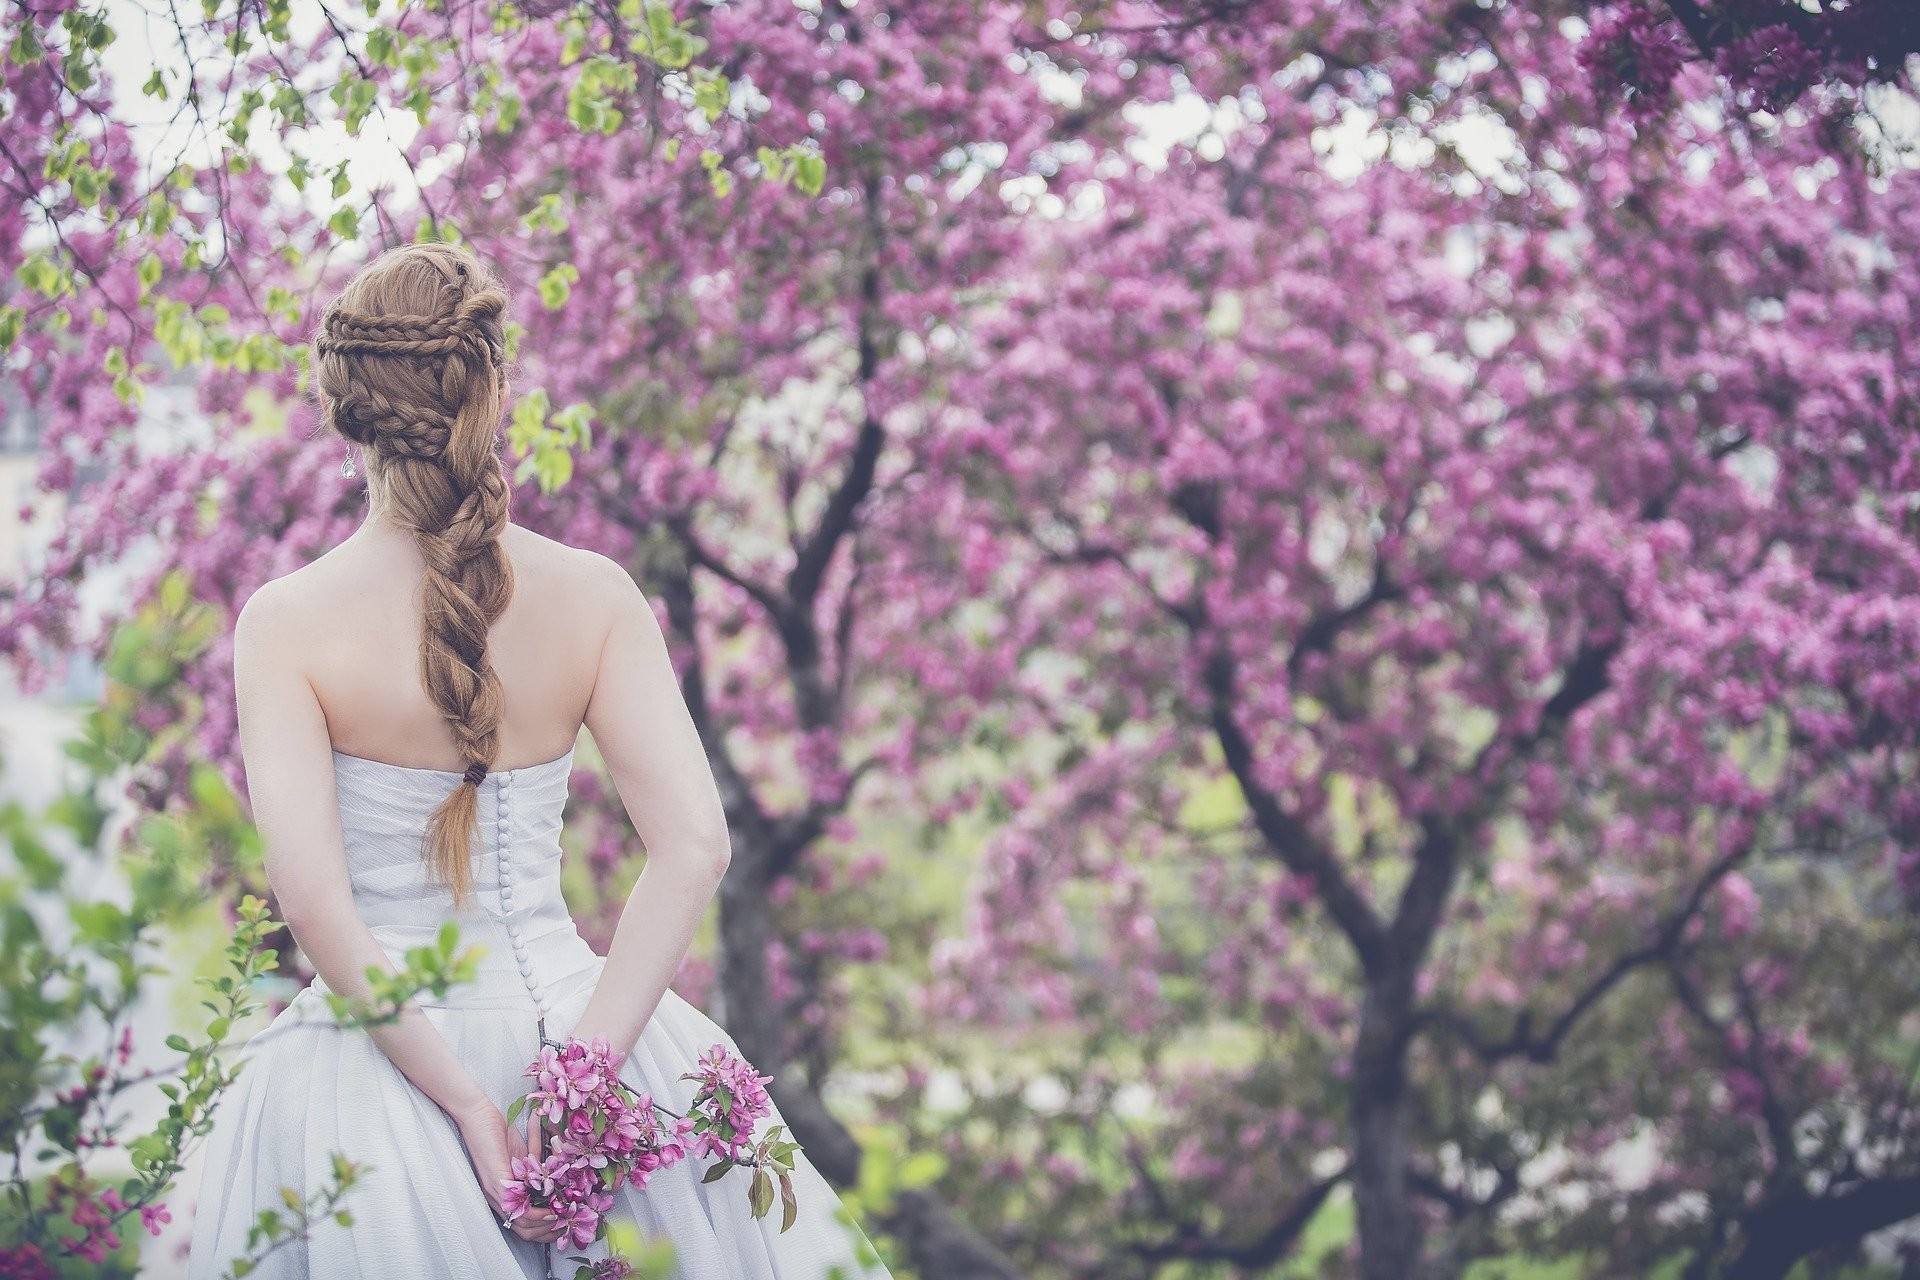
533 953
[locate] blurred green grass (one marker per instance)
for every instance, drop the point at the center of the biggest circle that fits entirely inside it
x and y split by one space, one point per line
1333 1226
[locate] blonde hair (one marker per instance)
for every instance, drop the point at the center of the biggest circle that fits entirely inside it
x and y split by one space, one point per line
411 364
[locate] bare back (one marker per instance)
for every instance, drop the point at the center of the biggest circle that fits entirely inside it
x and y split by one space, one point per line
359 645
328 656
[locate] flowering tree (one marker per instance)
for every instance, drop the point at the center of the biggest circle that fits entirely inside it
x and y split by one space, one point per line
1771 53
740 425
123 256
1464 571
1531 543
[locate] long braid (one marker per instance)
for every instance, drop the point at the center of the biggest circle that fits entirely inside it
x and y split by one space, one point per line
412 364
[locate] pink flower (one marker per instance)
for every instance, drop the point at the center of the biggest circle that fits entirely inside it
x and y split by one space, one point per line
152 1215
26 1262
579 1224
603 1134
732 1097
517 1191
86 1212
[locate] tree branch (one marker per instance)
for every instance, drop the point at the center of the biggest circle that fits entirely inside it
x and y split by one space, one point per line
681 526
1780 1231
1521 1042
1285 835
1270 1246
816 552
1320 633
736 789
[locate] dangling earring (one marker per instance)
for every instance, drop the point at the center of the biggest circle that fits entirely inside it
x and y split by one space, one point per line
346 464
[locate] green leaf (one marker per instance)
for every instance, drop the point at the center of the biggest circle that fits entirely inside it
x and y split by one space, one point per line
718 1171
147 1148
710 93
556 286
547 215
174 592
809 172
41 275
760 1193
101 922
921 1169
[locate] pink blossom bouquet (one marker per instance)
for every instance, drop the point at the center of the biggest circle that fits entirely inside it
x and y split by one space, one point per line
602 1133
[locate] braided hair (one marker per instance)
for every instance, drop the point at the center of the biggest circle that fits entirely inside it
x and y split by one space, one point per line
411 365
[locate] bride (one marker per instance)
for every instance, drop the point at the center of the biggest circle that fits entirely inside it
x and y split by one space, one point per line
408 706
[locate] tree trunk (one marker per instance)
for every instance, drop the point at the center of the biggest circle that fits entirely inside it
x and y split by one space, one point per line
1380 1111
937 1241
746 1006
1790 1227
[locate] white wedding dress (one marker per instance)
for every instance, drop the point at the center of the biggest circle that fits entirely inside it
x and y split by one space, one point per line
310 1088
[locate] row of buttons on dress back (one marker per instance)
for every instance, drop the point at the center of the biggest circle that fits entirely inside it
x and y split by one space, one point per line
503 846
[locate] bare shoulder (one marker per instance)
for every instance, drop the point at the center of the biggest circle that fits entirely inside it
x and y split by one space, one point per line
582 583
279 610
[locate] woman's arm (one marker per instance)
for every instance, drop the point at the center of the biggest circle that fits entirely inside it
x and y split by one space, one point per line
644 732
289 764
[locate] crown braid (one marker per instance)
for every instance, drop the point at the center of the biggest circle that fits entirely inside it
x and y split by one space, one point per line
411 359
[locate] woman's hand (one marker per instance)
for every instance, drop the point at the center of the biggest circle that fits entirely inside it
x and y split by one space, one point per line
491 1146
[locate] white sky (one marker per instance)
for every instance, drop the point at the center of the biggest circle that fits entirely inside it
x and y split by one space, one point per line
146 37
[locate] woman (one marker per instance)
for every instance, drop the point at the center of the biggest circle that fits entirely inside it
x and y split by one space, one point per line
437 666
